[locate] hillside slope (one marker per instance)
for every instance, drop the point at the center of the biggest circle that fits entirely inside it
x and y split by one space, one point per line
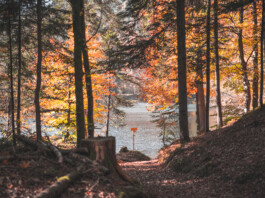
229 162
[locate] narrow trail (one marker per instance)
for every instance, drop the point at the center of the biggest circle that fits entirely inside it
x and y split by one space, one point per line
156 180
228 162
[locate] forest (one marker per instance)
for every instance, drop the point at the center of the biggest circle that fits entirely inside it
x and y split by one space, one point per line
82 81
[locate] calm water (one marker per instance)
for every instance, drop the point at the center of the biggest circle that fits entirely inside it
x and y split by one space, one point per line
147 138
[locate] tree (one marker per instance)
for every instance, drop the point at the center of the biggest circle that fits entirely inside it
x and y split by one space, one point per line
182 86
78 40
262 53
38 85
255 84
90 109
208 57
217 70
19 72
10 13
243 63
200 101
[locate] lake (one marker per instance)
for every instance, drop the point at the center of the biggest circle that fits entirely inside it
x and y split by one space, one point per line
147 138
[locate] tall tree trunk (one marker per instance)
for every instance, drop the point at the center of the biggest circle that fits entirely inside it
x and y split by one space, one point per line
69 106
200 94
108 110
89 89
77 27
243 62
255 86
182 84
217 70
19 72
261 53
208 57
38 85
11 78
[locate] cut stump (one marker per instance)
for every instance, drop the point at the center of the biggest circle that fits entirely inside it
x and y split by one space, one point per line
103 150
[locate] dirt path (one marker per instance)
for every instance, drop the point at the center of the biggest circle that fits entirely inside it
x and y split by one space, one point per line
229 162
156 180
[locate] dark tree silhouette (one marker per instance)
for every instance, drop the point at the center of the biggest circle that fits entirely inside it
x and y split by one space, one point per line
90 116
78 40
38 85
208 59
182 85
217 70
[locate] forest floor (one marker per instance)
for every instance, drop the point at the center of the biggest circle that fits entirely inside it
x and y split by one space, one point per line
229 162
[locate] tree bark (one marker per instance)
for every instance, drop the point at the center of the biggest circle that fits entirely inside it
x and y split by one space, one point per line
255 85
182 84
200 94
243 62
217 66
103 150
19 73
69 106
11 76
77 27
261 53
89 89
108 114
38 83
208 57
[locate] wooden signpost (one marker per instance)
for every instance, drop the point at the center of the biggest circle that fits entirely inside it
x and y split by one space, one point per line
134 132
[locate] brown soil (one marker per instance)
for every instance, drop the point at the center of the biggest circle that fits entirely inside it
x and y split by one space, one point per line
229 162
28 177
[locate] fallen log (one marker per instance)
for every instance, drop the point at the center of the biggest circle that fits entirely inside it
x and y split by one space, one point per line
55 151
90 163
41 145
62 183
27 141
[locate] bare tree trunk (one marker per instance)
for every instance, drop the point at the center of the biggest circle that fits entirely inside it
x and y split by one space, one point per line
38 85
77 27
208 57
182 84
69 108
89 89
217 70
200 94
255 86
243 62
261 53
19 72
108 113
11 78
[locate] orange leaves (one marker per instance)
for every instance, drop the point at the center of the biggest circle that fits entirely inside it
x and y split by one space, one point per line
24 164
58 83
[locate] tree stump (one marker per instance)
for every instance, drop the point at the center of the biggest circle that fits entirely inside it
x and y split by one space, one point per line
103 150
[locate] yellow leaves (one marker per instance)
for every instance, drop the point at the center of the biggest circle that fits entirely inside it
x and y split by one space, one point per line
63 178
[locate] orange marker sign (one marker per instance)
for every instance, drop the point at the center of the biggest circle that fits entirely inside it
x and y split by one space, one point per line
134 130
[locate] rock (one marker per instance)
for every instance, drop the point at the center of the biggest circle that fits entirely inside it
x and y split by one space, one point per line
123 149
132 156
